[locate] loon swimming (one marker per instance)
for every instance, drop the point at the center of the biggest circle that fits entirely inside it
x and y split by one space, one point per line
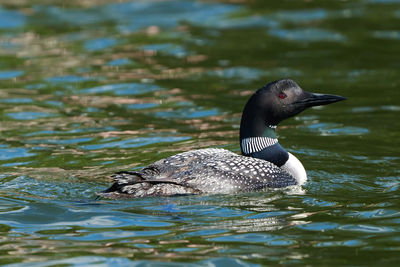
264 163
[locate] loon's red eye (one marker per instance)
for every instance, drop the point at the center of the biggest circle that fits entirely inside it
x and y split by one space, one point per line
282 95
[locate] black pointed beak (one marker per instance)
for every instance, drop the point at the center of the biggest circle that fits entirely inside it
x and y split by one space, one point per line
311 99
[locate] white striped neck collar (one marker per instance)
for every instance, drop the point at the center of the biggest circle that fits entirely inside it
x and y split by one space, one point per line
255 144
258 143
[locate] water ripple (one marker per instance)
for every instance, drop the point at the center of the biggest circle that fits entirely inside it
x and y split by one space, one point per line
367 228
99 44
10 74
168 49
70 79
123 89
308 35
329 129
11 19
135 142
29 115
188 113
378 213
301 16
387 34
120 62
12 153
16 100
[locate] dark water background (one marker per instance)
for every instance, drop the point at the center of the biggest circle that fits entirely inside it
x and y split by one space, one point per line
93 87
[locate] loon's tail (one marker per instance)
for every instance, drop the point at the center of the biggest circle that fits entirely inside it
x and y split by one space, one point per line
133 185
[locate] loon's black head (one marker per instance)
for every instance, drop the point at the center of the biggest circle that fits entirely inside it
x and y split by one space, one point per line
275 102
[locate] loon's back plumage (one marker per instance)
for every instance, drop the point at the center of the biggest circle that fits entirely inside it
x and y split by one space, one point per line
194 171
264 164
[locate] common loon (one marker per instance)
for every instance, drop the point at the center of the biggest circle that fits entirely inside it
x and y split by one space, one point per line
264 163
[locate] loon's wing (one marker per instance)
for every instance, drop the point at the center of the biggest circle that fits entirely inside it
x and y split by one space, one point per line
222 171
199 171
144 183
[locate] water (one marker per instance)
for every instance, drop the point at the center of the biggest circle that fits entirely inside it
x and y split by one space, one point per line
91 88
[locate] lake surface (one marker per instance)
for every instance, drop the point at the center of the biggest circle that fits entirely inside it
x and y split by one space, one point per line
89 88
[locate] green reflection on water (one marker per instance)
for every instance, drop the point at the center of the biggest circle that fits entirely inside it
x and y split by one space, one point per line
91 88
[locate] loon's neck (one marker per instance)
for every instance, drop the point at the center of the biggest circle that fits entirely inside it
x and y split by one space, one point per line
264 146
267 147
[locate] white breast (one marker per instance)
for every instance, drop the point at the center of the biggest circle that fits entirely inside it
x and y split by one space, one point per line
294 167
